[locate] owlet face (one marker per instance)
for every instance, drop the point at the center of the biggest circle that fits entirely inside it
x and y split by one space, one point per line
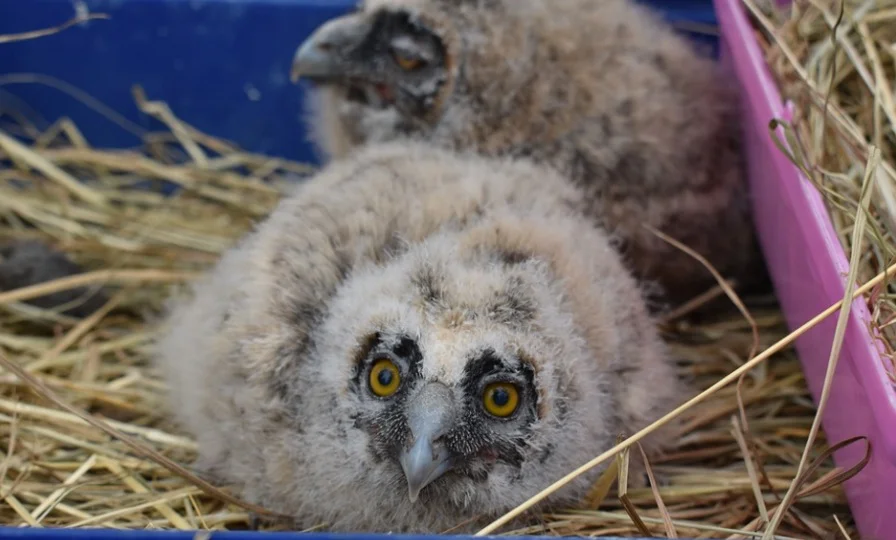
384 63
442 387
442 427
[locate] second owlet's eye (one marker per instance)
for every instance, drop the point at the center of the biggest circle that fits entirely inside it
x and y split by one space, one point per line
500 399
384 378
405 62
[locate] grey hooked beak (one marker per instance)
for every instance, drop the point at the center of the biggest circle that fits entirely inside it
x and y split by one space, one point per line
322 54
430 414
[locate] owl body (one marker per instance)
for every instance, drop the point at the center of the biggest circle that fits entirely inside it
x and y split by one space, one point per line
603 91
415 340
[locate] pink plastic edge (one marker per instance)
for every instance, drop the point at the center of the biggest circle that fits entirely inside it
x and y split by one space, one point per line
798 239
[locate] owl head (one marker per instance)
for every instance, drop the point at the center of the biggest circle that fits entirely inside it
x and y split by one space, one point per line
385 69
467 383
396 68
456 380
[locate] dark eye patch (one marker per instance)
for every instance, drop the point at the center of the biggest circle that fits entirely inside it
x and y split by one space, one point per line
377 345
387 425
488 367
408 24
477 432
398 30
407 348
485 364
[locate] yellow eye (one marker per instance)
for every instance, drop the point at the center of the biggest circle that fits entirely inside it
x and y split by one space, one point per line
501 399
384 378
407 63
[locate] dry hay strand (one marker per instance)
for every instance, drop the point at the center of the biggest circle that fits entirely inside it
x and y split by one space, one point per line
836 61
81 16
728 472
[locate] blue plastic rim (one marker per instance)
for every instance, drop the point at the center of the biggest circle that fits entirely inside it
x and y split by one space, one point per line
223 67
109 534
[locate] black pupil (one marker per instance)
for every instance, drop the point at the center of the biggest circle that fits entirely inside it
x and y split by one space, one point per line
500 397
384 377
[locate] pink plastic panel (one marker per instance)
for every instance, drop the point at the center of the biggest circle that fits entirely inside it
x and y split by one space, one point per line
808 266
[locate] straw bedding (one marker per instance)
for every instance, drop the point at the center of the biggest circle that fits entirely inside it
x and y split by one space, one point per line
728 473
59 471
844 95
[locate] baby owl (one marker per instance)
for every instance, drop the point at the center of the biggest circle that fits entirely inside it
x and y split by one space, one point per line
415 339
602 90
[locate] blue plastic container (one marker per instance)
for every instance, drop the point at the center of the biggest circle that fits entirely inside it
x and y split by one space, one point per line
221 65
8 533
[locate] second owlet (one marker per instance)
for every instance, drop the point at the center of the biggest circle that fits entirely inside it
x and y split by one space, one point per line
600 89
412 340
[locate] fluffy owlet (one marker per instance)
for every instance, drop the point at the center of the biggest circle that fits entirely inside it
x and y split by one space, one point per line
602 90
414 339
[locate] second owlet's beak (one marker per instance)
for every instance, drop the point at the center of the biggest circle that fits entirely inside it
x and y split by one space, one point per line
430 415
324 53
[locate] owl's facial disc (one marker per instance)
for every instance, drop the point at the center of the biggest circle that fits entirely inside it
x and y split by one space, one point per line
379 60
431 428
